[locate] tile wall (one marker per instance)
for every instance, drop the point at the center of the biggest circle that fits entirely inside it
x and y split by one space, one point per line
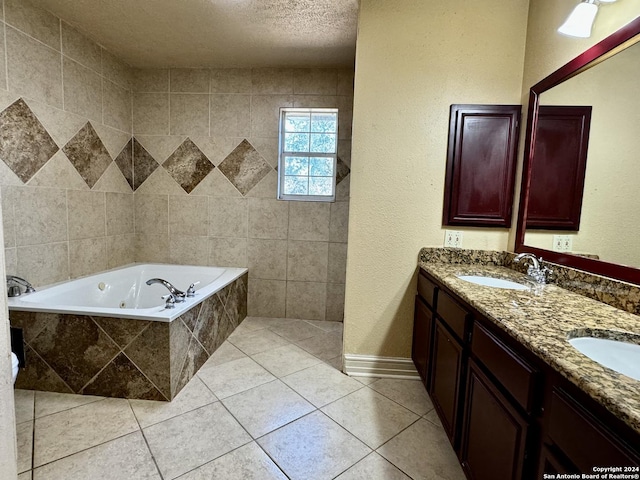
65 115
80 132
211 198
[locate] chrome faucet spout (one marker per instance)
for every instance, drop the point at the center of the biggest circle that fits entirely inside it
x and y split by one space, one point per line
179 294
538 272
15 291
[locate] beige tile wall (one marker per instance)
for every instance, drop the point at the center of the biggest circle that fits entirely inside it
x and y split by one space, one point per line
295 251
55 226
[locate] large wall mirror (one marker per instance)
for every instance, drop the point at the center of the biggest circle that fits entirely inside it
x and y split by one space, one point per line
605 80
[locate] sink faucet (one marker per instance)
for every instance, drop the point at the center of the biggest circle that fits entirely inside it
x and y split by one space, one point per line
14 290
178 294
538 273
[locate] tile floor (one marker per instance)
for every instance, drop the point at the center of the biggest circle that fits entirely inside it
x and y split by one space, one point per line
271 403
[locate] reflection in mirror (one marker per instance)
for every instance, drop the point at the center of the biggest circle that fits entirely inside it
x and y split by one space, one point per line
609 222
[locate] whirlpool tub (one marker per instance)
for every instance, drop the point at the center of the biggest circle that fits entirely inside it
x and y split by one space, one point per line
111 334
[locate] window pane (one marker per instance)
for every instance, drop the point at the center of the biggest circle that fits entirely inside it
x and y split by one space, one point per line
320 185
321 166
296 166
296 142
323 143
296 185
296 122
324 122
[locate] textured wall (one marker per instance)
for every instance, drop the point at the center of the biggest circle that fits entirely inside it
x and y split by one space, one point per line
65 115
210 145
415 58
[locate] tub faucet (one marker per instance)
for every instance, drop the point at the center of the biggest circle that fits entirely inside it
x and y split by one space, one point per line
178 294
536 271
14 290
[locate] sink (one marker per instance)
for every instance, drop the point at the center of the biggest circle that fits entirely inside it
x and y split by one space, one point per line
618 355
493 282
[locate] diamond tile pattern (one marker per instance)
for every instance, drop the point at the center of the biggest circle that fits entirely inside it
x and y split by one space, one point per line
124 161
88 154
143 164
342 170
126 358
25 145
244 167
188 165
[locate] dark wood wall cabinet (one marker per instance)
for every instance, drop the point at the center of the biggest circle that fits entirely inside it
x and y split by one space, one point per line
508 415
481 155
558 167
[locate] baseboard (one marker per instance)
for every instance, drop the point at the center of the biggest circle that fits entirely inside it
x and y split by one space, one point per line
374 366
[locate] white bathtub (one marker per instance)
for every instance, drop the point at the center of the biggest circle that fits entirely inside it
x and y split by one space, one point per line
123 292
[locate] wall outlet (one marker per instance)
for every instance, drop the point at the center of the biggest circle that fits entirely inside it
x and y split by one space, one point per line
453 238
562 243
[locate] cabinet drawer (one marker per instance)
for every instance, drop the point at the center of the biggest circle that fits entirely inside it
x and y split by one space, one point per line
580 437
509 369
453 314
427 290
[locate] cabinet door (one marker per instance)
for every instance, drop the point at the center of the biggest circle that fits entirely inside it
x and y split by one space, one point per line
493 435
446 376
422 323
483 144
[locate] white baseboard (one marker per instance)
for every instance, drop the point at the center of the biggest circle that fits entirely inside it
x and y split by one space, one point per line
374 366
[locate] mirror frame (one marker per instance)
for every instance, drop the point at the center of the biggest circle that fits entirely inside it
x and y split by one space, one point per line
614 43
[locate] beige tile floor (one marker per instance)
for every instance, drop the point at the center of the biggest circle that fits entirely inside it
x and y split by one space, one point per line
269 404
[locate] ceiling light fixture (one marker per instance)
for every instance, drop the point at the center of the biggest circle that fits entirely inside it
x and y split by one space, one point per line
580 21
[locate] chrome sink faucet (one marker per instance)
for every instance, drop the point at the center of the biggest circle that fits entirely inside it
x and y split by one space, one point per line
14 290
177 294
536 271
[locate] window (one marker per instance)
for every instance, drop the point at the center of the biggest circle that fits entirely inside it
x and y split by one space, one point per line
308 154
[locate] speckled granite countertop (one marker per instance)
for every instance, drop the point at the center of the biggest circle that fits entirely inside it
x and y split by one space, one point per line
542 322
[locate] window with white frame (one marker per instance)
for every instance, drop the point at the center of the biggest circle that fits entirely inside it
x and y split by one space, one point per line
308 154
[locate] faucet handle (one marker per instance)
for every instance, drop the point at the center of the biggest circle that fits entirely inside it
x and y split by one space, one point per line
191 291
170 300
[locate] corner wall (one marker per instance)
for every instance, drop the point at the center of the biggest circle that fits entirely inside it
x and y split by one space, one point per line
413 59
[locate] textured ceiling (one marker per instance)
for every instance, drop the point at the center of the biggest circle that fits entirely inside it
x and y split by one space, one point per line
217 33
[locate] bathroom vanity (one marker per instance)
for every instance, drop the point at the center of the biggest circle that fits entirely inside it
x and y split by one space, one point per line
515 398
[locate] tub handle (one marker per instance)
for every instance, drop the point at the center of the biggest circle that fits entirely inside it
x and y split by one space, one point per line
170 300
191 291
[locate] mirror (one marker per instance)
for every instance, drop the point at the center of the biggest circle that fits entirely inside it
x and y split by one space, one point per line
607 239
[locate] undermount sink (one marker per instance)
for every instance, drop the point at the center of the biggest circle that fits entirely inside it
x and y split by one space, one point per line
618 355
493 282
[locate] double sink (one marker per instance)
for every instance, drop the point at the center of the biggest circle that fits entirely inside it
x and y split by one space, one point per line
619 351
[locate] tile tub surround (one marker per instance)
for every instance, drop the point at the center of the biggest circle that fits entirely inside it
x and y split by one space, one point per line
215 204
244 416
87 134
542 323
616 293
65 114
127 358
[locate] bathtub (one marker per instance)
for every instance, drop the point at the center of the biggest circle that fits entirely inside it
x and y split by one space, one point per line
123 293
110 334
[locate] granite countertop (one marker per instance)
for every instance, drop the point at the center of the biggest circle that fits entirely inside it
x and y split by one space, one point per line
542 322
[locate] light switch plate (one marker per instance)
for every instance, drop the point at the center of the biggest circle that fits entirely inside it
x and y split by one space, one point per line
562 243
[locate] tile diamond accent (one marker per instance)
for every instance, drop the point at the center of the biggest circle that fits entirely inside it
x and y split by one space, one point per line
88 154
143 164
124 161
188 165
244 167
25 145
342 170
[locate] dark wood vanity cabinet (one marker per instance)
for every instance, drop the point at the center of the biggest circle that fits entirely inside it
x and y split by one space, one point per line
508 415
446 379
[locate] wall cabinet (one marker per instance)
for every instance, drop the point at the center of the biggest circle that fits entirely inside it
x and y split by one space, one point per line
507 414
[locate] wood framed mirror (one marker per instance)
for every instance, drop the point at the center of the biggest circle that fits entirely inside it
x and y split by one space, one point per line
606 242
